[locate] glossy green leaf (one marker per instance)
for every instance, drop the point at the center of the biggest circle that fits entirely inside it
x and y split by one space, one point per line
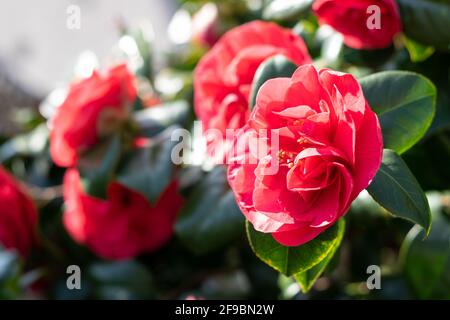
441 119
396 189
417 52
10 269
373 59
211 217
97 168
121 280
332 48
426 21
28 144
426 262
405 105
295 260
275 67
9 265
286 10
144 44
149 170
155 119
307 278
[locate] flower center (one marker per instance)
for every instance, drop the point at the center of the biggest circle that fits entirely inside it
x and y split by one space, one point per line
286 158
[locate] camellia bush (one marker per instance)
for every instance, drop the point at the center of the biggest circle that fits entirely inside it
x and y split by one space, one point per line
288 150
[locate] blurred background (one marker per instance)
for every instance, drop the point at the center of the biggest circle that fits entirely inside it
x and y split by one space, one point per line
38 49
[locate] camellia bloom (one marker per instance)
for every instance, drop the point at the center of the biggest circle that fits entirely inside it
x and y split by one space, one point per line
357 21
328 149
94 107
122 226
18 216
223 77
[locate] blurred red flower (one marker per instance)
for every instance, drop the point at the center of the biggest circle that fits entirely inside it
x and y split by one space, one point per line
328 149
223 77
122 226
95 107
351 17
205 25
18 216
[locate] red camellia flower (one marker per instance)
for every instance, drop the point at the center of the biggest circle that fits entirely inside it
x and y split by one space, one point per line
223 77
18 216
122 226
324 142
356 20
94 108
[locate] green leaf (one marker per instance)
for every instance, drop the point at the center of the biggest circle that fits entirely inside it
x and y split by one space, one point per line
9 265
286 10
307 29
210 218
10 269
275 67
121 280
155 119
307 278
28 144
295 260
405 105
441 119
426 21
396 189
426 262
140 57
144 44
97 167
417 52
149 170
331 51
373 59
